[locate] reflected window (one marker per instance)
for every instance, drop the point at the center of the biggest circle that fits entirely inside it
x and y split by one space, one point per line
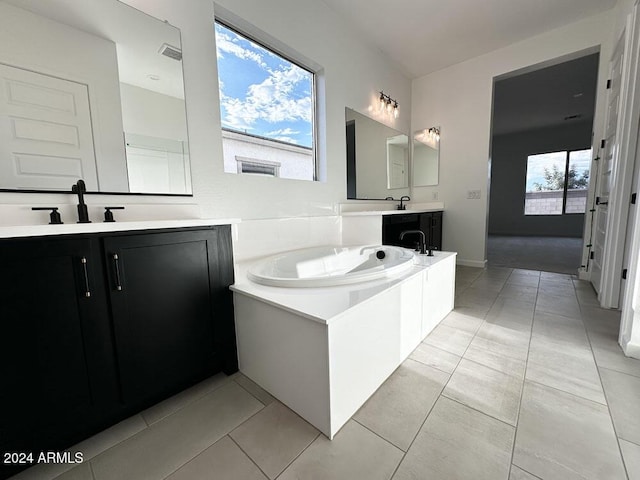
267 105
557 183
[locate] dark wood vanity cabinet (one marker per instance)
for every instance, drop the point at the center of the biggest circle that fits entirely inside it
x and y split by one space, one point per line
78 353
169 298
428 222
57 367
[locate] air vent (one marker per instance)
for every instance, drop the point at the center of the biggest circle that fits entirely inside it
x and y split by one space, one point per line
171 52
573 117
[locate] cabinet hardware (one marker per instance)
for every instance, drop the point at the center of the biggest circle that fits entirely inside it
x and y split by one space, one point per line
87 292
116 265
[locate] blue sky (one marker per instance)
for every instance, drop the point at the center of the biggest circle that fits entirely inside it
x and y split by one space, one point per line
262 93
537 163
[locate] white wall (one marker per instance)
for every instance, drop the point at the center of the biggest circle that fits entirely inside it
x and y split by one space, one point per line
38 44
459 99
145 112
293 161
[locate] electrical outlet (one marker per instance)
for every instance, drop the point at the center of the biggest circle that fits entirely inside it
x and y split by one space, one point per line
473 195
434 195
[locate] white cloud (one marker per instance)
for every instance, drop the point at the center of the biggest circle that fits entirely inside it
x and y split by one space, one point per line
286 139
273 100
284 131
226 44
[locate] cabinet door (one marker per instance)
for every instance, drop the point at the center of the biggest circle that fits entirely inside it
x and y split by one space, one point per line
431 225
169 302
435 233
394 225
58 376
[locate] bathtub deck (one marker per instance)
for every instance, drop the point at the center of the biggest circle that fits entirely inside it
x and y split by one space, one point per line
324 351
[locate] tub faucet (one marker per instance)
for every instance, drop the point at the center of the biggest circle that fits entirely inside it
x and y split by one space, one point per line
402 199
423 238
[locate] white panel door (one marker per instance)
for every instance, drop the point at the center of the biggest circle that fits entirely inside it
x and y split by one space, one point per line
46 139
609 156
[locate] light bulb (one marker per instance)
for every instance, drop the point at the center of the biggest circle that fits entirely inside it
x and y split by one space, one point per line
395 112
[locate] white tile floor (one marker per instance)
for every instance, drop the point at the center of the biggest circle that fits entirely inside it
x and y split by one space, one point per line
523 380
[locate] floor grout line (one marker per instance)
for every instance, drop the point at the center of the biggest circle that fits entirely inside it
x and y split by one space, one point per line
251 459
604 391
448 380
580 397
527 471
93 474
298 456
630 441
478 410
379 435
524 379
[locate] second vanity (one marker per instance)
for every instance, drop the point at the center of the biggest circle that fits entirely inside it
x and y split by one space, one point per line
103 320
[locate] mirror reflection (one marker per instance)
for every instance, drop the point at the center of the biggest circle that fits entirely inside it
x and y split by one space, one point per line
93 91
426 157
377 159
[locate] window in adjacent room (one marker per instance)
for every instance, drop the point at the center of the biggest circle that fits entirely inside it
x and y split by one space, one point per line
267 107
557 183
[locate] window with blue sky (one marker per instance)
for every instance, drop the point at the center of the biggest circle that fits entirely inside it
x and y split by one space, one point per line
261 92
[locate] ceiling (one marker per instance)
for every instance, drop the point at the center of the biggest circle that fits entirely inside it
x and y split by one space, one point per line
546 97
424 36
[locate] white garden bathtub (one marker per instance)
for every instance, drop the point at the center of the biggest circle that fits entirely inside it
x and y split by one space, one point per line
328 266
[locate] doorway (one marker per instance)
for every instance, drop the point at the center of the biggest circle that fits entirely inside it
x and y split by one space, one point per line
541 165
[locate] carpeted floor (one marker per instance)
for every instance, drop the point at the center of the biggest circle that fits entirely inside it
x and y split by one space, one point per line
548 254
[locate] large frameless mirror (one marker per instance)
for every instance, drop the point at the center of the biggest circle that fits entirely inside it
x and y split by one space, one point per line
91 90
377 159
426 157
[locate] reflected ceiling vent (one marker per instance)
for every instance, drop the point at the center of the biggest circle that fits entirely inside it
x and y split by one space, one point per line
573 117
171 51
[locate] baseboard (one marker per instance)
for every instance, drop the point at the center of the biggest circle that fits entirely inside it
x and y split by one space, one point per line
471 263
584 274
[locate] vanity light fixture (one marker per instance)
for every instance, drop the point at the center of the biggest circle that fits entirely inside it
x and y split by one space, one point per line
434 133
389 105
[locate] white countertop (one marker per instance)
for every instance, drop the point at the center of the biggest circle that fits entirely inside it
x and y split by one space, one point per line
389 212
326 304
99 227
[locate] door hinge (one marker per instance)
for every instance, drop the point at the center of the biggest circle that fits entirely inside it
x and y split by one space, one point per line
624 274
602 143
591 255
633 198
608 84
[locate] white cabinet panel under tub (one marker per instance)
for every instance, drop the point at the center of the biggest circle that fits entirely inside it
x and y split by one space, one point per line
324 351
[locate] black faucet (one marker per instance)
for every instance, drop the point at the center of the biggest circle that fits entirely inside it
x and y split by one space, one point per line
402 199
80 189
423 243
